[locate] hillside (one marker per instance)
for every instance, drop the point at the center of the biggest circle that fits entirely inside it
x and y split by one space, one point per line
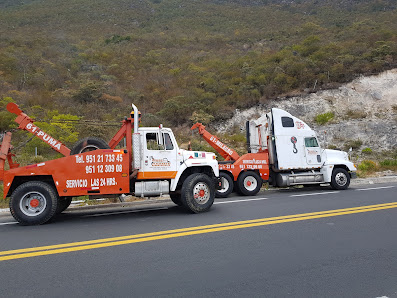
180 61
364 113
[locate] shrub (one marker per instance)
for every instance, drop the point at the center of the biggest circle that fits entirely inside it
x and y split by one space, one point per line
355 114
117 39
368 166
389 164
324 118
354 144
367 151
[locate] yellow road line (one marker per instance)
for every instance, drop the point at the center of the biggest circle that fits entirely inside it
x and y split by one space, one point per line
107 242
182 230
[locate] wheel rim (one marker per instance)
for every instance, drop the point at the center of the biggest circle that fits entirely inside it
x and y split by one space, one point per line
201 193
250 183
341 179
33 203
225 184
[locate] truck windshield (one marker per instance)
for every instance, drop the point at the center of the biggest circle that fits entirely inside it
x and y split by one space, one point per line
311 142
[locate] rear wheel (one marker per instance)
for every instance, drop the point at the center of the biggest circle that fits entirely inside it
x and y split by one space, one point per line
198 193
63 204
249 183
227 186
33 203
89 144
340 179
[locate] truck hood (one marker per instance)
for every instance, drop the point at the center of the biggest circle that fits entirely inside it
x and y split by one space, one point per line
198 156
336 157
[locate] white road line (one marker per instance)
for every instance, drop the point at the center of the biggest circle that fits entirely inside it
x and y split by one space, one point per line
238 201
8 223
372 188
125 212
315 194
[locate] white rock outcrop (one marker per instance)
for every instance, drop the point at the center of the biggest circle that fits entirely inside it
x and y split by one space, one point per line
365 109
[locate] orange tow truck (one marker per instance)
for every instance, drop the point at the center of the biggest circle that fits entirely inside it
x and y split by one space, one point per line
244 174
151 165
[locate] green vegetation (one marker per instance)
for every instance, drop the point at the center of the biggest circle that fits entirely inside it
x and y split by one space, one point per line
366 151
3 202
355 114
369 167
390 164
324 118
178 61
354 144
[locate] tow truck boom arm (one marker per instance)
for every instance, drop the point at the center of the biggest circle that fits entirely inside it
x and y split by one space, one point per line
226 152
26 123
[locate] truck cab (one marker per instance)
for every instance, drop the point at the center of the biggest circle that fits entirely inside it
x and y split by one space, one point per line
159 157
295 155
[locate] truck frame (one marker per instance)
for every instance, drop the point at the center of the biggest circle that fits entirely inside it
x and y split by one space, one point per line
151 165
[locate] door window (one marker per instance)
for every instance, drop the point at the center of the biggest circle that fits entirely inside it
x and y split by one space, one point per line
311 142
152 142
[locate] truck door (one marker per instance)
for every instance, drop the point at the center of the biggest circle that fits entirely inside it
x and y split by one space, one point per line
313 152
160 156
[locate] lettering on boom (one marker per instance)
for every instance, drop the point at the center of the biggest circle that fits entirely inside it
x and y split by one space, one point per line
42 135
221 145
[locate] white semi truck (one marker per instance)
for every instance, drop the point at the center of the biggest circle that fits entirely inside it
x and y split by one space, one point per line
295 156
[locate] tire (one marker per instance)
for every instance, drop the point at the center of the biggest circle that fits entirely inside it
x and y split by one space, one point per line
227 183
249 183
63 204
340 179
34 203
198 193
89 144
176 198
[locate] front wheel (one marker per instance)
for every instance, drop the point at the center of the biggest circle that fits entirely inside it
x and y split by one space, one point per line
227 186
33 203
249 183
340 179
198 193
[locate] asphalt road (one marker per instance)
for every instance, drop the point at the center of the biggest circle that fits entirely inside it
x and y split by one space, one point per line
312 242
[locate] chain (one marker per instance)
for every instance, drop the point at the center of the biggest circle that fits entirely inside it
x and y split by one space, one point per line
24 143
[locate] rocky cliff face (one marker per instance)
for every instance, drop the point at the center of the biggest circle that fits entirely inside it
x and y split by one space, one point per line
365 113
